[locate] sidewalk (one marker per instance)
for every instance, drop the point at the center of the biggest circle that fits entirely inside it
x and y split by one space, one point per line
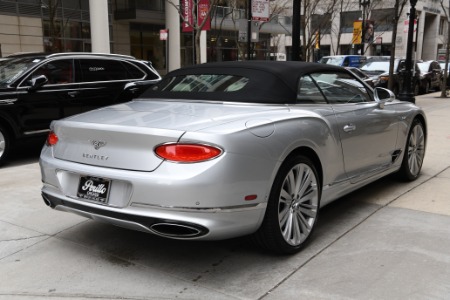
387 241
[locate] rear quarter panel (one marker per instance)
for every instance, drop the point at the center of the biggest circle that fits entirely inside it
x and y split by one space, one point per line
260 146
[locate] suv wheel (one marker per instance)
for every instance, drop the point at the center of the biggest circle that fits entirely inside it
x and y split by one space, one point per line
416 89
426 89
5 145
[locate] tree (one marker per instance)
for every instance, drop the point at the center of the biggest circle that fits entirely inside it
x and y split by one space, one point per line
55 26
315 21
344 5
195 15
277 8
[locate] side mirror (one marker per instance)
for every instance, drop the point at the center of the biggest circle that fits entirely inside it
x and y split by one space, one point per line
383 95
37 82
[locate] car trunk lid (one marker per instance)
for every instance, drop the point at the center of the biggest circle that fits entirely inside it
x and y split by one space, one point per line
124 136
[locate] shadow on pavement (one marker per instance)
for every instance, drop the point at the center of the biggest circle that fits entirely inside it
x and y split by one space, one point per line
25 153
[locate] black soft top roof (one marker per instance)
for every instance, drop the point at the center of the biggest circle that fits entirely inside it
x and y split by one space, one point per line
270 81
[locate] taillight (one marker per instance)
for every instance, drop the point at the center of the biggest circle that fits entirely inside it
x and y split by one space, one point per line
52 139
187 153
384 78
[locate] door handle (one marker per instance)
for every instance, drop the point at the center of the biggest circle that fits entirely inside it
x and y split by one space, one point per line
134 90
349 127
73 93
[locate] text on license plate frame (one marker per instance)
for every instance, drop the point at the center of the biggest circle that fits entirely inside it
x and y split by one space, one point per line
94 189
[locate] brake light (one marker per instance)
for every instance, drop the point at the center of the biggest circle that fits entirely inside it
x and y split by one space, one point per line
187 153
52 139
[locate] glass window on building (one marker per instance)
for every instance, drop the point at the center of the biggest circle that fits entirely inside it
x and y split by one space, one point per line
222 45
155 5
347 20
145 44
321 23
76 4
70 36
30 1
383 19
69 29
187 49
442 25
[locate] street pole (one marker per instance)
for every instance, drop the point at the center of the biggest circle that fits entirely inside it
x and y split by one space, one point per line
407 92
296 30
249 30
447 54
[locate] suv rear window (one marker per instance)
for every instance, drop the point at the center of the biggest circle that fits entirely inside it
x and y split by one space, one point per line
102 70
134 72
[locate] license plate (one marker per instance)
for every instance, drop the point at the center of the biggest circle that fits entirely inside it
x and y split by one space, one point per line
94 189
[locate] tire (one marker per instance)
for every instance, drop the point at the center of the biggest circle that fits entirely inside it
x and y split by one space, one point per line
438 87
292 209
426 89
414 152
416 89
5 145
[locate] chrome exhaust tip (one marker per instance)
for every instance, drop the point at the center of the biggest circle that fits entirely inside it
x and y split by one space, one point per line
174 230
47 201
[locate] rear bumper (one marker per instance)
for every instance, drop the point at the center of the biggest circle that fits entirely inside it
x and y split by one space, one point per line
169 228
211 224
175 201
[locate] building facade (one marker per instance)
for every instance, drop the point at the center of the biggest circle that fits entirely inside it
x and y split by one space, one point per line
135 28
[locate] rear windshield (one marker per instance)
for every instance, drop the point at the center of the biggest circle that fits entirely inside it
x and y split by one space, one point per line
202 83
230 84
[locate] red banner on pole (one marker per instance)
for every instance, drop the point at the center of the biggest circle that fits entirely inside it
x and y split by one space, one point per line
187 16
202 13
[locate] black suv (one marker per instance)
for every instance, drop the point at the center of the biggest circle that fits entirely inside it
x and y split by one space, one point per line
379 69
38 88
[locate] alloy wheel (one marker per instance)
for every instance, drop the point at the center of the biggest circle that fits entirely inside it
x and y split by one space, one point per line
2 144
416 149
298 204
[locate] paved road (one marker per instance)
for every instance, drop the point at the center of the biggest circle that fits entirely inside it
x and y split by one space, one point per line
389 240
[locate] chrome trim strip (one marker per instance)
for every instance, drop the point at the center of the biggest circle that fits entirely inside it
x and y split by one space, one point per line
8 101
36 131
205 209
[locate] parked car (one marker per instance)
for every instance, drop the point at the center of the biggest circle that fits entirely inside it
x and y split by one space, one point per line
37 88
380 69
370 80
220 150
344 60
430 76
442 64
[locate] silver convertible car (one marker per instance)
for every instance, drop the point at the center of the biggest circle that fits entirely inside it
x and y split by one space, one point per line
221 150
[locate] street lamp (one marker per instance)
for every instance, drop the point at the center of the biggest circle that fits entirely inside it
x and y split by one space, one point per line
363 3
407 91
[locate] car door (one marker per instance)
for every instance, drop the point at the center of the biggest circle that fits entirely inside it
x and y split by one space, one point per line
367 131
436 70
102 82
52 101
